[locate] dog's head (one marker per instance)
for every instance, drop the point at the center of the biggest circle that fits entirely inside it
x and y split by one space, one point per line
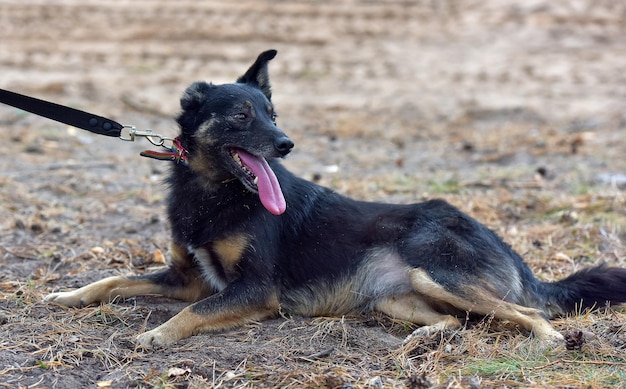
230 131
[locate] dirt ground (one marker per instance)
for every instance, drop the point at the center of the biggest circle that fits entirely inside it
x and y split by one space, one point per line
514 112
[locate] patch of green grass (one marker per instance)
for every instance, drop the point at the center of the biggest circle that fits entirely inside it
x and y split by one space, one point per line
451 185
494 368
552 372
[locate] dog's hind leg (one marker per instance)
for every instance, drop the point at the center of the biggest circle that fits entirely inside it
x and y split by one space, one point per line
412 307
478 300
180 281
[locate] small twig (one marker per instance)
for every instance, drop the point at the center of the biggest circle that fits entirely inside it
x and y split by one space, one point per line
608 363
570 361
19 255
544 366
145 322
321 354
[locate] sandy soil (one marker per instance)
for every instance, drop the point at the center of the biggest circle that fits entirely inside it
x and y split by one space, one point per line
514 112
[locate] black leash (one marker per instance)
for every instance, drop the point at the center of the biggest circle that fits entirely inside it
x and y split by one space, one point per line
96 124
60 113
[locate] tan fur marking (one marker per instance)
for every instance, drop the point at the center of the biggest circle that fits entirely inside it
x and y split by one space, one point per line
112 288
230 250
105 290
180 256
200 162
183 325
329 299
485 304
187 323
197 287
195 290
204 167
412 307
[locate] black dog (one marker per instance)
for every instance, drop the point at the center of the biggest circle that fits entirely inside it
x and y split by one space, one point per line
250 239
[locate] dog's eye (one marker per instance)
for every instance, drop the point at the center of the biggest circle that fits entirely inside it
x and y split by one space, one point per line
274 116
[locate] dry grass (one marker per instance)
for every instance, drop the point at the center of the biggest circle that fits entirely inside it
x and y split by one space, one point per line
557 233
485 355
67 235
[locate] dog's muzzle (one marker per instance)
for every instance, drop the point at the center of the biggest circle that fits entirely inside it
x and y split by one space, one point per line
283 145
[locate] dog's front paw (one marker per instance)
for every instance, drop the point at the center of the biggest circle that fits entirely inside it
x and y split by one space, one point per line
158 337
69 299
183 325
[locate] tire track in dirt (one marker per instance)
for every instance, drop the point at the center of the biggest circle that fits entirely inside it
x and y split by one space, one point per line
170 34
440 57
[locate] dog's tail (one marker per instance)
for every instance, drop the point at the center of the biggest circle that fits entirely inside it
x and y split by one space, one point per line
588 288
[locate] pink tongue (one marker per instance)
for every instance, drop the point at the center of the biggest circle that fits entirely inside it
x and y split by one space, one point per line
269 189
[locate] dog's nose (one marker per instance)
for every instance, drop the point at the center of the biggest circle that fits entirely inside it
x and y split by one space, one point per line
283 145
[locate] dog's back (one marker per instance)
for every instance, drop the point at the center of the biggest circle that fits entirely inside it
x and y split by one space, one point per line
250 239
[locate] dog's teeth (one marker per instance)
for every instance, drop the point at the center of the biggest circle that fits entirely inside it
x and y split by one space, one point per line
237 158
256 180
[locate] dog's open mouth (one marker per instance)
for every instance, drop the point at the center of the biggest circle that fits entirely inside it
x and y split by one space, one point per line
260 177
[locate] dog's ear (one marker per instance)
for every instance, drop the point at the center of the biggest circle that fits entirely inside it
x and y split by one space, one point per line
191 101
257 75
194 96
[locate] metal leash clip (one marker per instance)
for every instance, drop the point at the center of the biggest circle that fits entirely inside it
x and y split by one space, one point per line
155 139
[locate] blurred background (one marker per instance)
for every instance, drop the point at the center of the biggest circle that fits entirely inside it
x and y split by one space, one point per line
435 84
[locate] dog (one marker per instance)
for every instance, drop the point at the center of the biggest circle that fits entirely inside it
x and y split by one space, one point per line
251 240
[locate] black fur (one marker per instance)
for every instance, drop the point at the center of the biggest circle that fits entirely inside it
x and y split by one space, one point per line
325 254
323 236
588 288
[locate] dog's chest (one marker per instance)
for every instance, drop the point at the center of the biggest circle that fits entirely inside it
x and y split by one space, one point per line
219 260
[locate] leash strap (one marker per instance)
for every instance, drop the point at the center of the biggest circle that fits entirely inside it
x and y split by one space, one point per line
96 124
60 113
